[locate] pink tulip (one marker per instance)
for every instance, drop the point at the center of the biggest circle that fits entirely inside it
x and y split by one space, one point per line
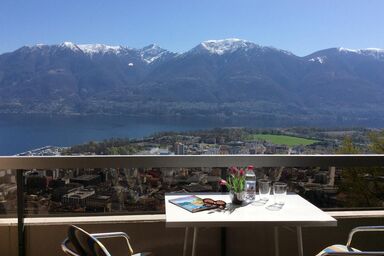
250 167
241 172
234 170
223 182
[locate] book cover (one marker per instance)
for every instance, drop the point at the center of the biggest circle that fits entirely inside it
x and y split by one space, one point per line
191 203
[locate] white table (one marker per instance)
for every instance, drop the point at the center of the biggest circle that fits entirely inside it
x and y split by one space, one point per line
296 212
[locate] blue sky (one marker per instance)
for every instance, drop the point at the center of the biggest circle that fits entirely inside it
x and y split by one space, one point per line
300 26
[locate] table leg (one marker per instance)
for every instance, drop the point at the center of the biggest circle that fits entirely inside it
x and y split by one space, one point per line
276 238
299 241
185 241
194 241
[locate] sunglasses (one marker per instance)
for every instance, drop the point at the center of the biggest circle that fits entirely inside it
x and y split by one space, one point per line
210 202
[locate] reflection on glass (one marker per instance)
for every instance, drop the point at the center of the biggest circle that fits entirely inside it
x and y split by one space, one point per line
141 190
112 190
8 193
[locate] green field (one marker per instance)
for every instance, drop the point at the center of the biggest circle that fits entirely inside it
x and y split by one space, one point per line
281 139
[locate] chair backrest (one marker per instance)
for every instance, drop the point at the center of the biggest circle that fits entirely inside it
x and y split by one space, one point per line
85 244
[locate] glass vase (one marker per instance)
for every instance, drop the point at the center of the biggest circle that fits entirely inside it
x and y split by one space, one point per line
237 197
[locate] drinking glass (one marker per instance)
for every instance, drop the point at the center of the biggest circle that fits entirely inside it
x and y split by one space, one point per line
264 189
279 192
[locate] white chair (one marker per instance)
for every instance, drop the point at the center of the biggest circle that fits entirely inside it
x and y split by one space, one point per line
338 249
86 244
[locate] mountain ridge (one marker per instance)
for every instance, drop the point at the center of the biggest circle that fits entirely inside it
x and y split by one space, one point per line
226 78
218 41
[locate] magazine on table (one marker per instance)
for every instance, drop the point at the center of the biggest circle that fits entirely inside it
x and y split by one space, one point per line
191 203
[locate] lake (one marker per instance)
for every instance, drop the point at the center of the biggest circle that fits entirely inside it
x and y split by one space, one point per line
20 133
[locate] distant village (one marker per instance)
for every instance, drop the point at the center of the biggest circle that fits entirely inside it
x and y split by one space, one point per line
139 190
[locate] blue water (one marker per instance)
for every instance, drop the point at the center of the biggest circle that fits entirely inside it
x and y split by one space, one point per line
19 133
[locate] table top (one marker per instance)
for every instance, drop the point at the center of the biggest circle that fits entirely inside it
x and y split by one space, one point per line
295 212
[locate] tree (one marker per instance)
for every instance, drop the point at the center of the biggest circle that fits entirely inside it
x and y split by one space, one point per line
377 142
362 186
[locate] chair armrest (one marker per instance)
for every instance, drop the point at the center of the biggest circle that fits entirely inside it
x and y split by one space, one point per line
110 235
65 248
353 253
114 235
363 229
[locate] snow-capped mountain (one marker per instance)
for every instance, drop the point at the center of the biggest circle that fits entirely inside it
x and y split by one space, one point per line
223 46
148 54
231 45
258 80
153 52
373 52
71 46
341 53
100 49
319 59
361 51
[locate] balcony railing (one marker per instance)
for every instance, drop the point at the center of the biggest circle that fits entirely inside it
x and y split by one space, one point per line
219 161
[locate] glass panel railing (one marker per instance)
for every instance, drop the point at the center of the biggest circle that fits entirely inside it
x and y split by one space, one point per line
109 191
8 193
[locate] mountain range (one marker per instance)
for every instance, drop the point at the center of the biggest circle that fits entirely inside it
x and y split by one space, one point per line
217 78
